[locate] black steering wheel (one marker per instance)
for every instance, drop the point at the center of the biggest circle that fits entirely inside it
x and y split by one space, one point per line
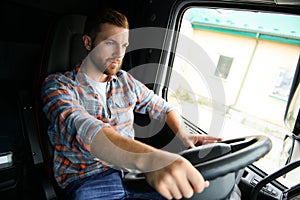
218 159
229 155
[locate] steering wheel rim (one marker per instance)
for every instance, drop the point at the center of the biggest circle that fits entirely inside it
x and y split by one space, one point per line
244 151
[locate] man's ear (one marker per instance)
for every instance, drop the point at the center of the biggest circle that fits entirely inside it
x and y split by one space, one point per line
87 42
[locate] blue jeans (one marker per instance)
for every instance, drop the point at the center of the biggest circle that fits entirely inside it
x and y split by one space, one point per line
108 185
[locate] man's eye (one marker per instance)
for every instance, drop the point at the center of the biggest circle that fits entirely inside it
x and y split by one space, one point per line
109 43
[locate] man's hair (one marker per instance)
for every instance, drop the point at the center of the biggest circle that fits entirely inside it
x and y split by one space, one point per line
94 22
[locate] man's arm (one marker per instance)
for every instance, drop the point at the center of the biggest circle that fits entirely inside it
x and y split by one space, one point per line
158 108
174 121
170 174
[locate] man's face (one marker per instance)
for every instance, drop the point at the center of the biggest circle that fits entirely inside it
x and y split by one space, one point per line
109 49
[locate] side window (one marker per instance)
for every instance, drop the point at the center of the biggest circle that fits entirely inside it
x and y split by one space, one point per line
252 56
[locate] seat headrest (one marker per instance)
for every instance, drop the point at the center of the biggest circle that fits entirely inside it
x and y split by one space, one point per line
66 46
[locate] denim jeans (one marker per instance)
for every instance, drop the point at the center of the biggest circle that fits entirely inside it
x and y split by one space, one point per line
108 185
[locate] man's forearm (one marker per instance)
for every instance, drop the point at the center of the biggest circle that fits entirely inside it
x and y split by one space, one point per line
110 146
174 121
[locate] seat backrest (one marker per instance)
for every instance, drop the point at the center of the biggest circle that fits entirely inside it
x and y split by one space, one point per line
66 47
63 50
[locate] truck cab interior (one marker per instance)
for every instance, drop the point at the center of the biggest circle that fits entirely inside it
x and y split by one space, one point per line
231 67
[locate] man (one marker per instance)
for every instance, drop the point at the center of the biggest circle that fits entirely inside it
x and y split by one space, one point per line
90 110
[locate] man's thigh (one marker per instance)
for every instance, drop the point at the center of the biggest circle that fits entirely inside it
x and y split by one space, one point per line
109 185
140 189
104 186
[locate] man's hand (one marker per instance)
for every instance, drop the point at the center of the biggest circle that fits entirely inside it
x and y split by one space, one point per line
174 121
192 140
178 179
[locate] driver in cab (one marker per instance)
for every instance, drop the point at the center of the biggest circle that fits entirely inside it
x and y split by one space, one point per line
90 110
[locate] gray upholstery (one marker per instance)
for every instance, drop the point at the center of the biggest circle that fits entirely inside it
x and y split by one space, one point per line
63 51
66 47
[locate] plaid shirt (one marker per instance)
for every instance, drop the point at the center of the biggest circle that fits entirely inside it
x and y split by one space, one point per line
76 114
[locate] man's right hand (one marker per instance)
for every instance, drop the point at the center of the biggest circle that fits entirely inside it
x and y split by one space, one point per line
178 179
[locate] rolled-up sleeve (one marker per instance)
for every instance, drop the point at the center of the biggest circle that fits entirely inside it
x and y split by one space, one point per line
148 101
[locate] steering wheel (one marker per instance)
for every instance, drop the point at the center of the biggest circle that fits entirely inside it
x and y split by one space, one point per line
240 153
218 159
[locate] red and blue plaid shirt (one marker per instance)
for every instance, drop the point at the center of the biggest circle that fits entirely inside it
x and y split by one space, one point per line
76 114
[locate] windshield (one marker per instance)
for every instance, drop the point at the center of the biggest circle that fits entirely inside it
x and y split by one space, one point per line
241 82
